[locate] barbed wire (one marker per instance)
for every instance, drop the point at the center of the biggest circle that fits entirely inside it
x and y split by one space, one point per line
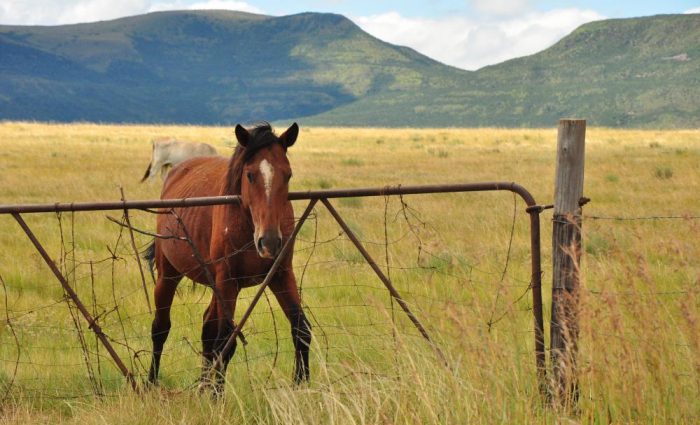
10 382
641 218
125 320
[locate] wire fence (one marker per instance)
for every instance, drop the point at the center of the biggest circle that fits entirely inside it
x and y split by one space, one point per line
460 293
48 351
639 302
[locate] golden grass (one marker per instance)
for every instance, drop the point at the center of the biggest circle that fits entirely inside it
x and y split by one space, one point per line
640 338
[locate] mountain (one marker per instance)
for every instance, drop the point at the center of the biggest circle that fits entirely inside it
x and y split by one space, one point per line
641 72
222 67
198 67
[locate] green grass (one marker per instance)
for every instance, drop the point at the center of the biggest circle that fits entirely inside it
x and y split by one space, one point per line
352 162
639 346
663 172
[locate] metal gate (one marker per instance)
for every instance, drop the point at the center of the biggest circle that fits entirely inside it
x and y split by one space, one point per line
313 197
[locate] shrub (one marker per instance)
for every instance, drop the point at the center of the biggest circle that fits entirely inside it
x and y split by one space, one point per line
324 183
352 162
664 172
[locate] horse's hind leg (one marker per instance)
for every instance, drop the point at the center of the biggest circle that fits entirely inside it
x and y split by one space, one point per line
166 284
154 168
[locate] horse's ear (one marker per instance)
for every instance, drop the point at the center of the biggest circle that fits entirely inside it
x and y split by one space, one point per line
242 135
290 136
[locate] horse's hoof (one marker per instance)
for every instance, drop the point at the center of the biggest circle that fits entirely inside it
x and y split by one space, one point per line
150 384
216 392
204 387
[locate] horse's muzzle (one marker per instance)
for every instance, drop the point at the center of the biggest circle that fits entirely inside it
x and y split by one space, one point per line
269 245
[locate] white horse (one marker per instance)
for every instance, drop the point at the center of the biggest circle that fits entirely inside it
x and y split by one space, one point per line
169 152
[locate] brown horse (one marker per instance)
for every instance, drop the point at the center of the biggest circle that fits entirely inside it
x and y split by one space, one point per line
232 246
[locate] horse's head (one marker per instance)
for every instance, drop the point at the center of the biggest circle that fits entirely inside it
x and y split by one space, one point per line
264 182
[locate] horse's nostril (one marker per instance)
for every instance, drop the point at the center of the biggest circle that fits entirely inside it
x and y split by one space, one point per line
279 244
269 245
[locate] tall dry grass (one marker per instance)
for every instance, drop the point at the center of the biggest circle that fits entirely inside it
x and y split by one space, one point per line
639 352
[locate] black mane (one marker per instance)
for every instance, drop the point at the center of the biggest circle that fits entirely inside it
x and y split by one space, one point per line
261 136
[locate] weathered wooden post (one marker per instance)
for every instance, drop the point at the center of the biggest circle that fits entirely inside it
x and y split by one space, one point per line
566 255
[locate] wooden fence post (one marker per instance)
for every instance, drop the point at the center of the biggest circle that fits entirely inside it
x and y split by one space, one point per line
566 254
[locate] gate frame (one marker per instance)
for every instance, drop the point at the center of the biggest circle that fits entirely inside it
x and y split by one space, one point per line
313 197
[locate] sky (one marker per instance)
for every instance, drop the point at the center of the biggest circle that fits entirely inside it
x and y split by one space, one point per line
467 34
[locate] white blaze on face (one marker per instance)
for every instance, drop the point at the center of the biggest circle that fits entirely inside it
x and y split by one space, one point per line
267 172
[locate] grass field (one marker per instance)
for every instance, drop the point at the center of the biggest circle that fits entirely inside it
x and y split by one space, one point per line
450 255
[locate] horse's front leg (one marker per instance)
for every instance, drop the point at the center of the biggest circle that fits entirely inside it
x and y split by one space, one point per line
210 332
287 294
224 306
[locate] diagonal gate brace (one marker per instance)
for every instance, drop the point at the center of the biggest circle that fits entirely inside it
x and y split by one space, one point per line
228 346
533 211
92 323
385 280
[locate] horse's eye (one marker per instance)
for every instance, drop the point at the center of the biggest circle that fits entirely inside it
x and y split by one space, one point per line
250 176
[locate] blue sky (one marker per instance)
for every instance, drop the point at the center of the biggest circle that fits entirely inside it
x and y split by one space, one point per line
468 34
439 8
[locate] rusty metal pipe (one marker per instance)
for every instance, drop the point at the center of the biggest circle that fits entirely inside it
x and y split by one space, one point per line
385 280
118 205
416 190
92 323
293 196
533 210
536 286
228 346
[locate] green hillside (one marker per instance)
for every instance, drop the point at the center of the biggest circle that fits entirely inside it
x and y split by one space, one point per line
199 67
642 72
218 67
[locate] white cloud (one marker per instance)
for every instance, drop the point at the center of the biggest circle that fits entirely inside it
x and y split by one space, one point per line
460 41
472 44
693 10
212 4
501 7
28 12
58 12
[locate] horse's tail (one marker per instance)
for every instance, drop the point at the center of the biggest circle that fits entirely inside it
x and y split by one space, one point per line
149 254
148 172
